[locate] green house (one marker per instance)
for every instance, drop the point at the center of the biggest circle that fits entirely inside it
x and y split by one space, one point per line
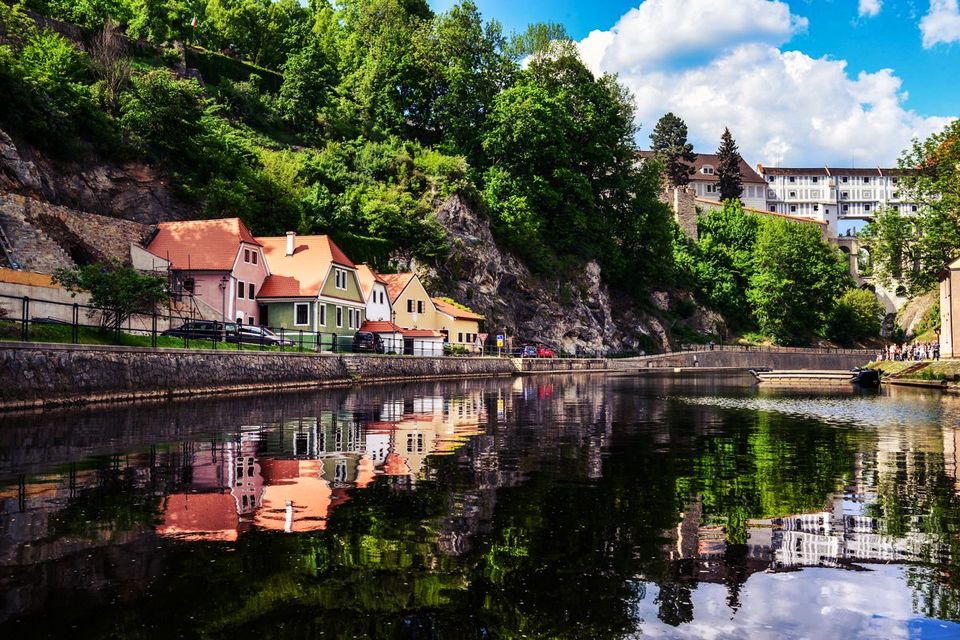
312 287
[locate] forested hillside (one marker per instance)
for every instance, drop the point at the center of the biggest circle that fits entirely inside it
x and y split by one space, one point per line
496 164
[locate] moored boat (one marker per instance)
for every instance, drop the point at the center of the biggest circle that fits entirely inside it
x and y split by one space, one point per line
858 376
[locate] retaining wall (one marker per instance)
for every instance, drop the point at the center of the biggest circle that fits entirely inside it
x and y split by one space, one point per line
747 360
547 365
50 375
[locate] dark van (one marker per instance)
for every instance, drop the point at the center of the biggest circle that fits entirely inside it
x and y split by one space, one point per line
367 342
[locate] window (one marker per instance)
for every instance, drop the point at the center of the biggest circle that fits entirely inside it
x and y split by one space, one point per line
251 321
793 194
894 180
419 306
771 194
913 207
866 207
844 179
711 188
239 319
814 179
846 207
793 208
339 316
866 180
793 178
460 337
707 170
253 254
240 289
773 208
301 314
350 318
409 306
770 178
246 255
341 278
844 194
322 313
250 290
816 207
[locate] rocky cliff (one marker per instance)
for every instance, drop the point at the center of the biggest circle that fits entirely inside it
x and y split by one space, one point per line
94 209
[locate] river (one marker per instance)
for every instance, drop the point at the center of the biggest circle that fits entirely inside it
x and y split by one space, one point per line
564 506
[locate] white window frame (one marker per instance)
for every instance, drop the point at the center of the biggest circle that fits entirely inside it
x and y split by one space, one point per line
340 277
349 317
322 314
339 317
296 307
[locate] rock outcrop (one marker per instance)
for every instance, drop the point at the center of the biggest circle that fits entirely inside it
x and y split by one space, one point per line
129 190
580 315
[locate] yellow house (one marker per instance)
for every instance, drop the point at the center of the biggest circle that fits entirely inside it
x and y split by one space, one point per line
950 310
411 304
462 325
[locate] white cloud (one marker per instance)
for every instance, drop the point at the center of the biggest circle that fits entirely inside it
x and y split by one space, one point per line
941 24
782 106
869 8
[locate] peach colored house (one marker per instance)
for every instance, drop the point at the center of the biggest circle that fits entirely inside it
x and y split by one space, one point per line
218 262
950 310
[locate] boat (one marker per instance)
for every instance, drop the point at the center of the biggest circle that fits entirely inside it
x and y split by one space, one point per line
858 376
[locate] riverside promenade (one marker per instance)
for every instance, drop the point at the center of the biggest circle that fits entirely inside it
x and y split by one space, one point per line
37 375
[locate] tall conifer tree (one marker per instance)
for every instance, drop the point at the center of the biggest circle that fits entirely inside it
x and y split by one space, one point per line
728 167
670 144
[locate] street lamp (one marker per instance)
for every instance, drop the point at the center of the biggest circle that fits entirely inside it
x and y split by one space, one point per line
223 298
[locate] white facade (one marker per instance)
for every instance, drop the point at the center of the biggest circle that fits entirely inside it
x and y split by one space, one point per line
378 302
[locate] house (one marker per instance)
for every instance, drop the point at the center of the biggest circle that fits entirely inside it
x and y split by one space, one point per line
705 182
374 289
411 305
313 286
423 342
464 325
217 262
950 310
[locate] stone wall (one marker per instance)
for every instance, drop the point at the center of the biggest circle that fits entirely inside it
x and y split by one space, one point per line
50 375
748 360
547 365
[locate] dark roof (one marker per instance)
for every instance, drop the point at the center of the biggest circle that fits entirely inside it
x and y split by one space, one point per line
850 171
747 174
793 171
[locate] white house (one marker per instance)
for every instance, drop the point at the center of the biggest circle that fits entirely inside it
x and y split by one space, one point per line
374 290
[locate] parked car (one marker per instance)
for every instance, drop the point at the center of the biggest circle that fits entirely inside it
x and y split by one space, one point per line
527 351
367 342
543 351
250 334
203 330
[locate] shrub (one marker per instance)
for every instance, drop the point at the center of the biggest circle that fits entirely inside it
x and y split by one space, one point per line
856 317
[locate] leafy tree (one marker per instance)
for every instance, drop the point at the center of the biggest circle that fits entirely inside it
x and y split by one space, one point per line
669 143
728 168
91 14
893 249
110 63
162 20
931 177
856 317
309 80
116 290
796 278
163 114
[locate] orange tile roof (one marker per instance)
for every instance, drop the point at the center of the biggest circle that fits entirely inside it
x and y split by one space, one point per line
380 326
455 312
396 283
421 333
200 516
367 277
303 273
204 245
26 277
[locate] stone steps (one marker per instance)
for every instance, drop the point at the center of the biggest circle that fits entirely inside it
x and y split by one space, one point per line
31 248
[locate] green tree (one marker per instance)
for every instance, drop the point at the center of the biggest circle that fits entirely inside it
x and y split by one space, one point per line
931 177
669 143
728 168
856 317
892 239
796 278
116 290
309 80
163 114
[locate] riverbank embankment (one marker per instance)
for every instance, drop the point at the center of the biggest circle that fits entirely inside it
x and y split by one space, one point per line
938 374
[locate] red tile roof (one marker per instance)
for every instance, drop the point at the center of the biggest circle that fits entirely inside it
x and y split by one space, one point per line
421 333
302 274
396 283
368 277
455 312
203 245
747 173
380 326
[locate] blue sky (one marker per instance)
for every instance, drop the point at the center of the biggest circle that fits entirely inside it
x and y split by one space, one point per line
749 43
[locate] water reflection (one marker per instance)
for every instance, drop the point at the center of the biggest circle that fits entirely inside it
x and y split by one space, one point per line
563 506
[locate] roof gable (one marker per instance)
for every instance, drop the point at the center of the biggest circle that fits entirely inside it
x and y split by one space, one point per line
397 283
455 312
303 273
203 245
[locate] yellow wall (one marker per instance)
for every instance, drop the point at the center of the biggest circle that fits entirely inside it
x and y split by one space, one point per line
456 326
429 319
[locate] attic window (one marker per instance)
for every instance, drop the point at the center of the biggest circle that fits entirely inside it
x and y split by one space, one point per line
707 170
814 179
793 178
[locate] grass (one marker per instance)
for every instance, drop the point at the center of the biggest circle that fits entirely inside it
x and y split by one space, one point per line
57 333
935 370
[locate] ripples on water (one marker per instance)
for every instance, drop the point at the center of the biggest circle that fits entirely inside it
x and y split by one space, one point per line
563 506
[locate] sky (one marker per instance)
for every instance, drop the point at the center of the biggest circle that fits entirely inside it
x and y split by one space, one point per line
798 82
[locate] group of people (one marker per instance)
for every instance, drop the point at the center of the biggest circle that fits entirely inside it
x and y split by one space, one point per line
915 352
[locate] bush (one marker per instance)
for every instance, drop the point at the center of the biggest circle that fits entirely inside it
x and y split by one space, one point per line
163 114
856 317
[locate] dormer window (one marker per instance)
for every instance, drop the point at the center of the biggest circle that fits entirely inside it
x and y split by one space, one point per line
707 170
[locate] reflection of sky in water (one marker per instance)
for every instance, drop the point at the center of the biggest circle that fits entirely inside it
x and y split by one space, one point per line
814 603
865 411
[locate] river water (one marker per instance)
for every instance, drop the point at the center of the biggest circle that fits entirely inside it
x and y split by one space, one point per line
542 507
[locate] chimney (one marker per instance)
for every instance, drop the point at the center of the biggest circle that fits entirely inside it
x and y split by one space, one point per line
291 242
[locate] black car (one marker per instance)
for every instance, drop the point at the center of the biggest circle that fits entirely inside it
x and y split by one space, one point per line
203 330
250 334
367 342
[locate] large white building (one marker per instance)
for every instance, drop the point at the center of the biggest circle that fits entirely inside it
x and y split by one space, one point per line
834 195
706 183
